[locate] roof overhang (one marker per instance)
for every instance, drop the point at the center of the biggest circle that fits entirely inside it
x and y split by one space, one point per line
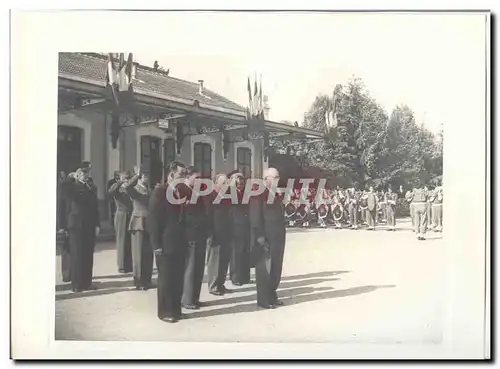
221 118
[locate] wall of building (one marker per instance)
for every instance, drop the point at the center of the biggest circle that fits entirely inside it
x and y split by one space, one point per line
92 123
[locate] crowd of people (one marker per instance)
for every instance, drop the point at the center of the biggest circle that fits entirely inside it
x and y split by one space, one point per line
180 236
212 228
354 209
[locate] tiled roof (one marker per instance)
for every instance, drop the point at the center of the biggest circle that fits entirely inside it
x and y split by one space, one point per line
93 66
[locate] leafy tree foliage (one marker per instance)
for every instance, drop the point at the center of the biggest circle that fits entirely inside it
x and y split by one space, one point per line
368 146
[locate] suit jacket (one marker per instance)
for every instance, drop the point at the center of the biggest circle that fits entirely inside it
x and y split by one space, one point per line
81 204
166 222
239 215
140 201
219 219
196 216
267 220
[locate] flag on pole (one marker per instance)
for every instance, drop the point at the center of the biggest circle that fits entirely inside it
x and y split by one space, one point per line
119 80
256 98
250 103
261 105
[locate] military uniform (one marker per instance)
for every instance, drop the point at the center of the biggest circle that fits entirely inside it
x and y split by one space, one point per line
123 205
437 211
353 204
371 210
142 253
419 201
390 201
82 220
430 199
409 198
363 207
267 222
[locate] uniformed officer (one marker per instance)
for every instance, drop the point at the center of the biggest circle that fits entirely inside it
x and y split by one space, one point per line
430 200
419 201
82 225
353 203
142 253
363 206
123 206
409 200
437 210
371 210
390 207
268 235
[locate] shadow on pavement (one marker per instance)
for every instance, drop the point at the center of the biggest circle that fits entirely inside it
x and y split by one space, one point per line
117 276
100 285
283 285
284 293
76 295
313 275
295 298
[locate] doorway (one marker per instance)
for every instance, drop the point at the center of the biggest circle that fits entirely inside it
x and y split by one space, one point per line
151 158
69 148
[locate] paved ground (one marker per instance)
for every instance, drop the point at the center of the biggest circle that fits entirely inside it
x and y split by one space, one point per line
338 286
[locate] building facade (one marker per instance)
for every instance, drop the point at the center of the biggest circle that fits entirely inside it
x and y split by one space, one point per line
171 119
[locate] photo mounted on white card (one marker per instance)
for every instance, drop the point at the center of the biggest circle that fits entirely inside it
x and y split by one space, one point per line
297 183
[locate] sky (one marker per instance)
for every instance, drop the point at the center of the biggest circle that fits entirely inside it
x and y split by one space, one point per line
426 61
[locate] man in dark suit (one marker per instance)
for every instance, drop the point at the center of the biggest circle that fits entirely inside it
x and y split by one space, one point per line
61 225
167 228
239 268
219 243
83 226
196 234
123 212
142 253
268 232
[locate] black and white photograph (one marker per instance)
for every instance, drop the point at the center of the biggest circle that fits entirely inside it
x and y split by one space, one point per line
292 178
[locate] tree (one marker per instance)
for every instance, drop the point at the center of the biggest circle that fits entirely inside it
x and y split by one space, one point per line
368 147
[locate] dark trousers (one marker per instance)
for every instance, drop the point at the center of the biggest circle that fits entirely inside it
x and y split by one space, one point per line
240 258
170 283
66 262
82 244
219 255
123 242
268 273
194 270
142 258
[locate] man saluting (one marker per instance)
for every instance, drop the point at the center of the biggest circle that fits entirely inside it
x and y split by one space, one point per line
82 224
268 234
